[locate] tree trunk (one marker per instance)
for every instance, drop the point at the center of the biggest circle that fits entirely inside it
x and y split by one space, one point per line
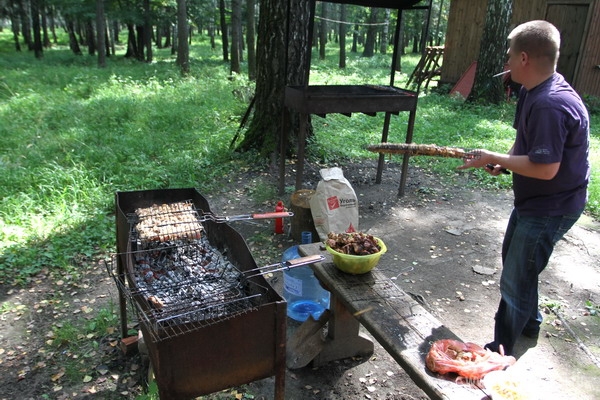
132 46
101 33
436 33
224 35
159 35
107 41
73 43
212 25
323 31
53 24
369 49
250 38
168 34
148 31
90 37
385 33
175 44
15 29
236 33
140 35
424 33
355 39
110 38
25 26
265 127
400 52
116 28
342 33
37 35
79 31
45 13
183 49
492 53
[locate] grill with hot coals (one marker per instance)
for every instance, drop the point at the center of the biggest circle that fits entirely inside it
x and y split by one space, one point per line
209 322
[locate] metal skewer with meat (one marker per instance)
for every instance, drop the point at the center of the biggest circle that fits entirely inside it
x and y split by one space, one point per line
431 150
414 149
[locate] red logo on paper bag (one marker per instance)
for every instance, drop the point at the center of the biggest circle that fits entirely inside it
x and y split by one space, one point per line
333 203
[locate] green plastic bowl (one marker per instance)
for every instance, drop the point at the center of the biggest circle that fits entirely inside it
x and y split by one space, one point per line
357 265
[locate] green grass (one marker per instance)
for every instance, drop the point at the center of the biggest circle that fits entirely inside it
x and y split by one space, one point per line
74 134
75 342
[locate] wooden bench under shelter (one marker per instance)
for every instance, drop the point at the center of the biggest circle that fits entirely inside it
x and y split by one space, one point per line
400 323
429 67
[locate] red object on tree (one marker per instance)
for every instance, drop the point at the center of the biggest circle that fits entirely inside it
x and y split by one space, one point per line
279 221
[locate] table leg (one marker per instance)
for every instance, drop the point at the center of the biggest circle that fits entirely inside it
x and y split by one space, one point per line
343 337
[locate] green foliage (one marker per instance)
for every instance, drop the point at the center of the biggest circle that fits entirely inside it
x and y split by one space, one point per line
73 135
65 334
103 322
151 393
551 304
593 104
77 335
80 338
593 206
592 308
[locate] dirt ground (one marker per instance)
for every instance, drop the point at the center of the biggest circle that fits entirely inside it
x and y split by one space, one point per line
443 242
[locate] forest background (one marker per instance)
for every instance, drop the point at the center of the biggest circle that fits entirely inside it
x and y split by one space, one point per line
77 128
75 131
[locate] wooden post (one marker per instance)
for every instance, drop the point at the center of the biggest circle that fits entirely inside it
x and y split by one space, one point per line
302 219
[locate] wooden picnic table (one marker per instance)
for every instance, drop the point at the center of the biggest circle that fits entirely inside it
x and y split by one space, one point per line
396 319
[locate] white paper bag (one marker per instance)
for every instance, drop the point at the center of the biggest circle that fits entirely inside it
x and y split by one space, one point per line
334 206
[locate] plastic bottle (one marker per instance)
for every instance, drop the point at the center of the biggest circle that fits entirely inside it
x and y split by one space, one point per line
301 289
279 221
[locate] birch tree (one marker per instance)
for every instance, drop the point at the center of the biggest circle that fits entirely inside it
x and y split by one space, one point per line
183 49
492 53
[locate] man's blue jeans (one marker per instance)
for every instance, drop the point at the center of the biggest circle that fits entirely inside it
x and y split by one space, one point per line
528 244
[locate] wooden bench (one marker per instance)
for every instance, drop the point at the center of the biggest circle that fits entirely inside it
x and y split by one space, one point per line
403 327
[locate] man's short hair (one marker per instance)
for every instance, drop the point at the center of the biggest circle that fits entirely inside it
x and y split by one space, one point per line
539 39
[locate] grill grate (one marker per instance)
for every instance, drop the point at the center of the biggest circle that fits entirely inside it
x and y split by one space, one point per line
178 289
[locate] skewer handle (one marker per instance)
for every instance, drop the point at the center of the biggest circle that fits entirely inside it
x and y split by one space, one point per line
272 215
304 260
502 170
293 263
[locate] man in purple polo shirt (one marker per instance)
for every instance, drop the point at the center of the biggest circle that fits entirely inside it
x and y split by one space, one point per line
550 164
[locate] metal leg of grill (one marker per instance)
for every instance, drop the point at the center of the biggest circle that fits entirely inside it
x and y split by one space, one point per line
280 340
409 137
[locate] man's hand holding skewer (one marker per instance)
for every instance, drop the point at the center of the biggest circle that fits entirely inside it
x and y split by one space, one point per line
481 158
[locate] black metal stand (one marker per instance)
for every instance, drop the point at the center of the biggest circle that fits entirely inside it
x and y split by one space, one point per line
367 99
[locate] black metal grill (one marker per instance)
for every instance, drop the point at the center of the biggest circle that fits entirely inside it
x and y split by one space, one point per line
218 326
